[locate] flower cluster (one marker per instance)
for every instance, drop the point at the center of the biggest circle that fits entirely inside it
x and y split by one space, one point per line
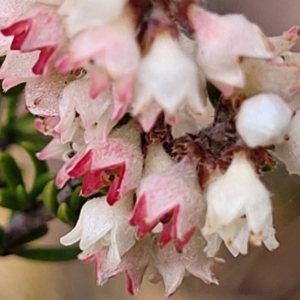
122 88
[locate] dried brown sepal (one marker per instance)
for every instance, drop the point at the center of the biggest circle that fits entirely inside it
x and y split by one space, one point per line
215 145
177 10
160 133
158 24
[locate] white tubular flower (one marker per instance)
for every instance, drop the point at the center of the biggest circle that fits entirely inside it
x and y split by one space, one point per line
17 68
85 14
222 42
168 77
172 266
93 113
172 194
100 225
289 151
263 120
11 10
239 209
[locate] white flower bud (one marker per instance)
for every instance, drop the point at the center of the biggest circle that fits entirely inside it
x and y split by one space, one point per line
263 120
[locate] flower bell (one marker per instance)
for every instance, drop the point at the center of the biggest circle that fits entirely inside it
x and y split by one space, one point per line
116 163
173 197
101 225
238 210
167 78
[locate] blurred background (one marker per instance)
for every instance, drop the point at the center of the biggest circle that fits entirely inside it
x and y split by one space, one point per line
261 275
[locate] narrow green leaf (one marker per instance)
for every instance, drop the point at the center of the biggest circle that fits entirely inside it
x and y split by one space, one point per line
13 92
76 201
49 197
53 254
65 214
25 124
10 171
24 201
8 199
40 166
39 185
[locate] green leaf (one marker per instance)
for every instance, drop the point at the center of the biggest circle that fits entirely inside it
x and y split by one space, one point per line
31 149
49 197
53 254
8 199
13 92
25 124
65 214
39 185
24 201
76 201
10 171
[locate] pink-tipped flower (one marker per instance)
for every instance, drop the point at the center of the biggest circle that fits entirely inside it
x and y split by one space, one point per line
111 56
40 28
17 68
11 10
94 114
223 42
116 163
46 125
172 266
167 77
133 264
43 94
101 225
173 197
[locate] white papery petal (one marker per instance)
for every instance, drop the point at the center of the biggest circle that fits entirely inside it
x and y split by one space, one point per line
168 76
222 41
289 151
235 200
101 225
84 14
